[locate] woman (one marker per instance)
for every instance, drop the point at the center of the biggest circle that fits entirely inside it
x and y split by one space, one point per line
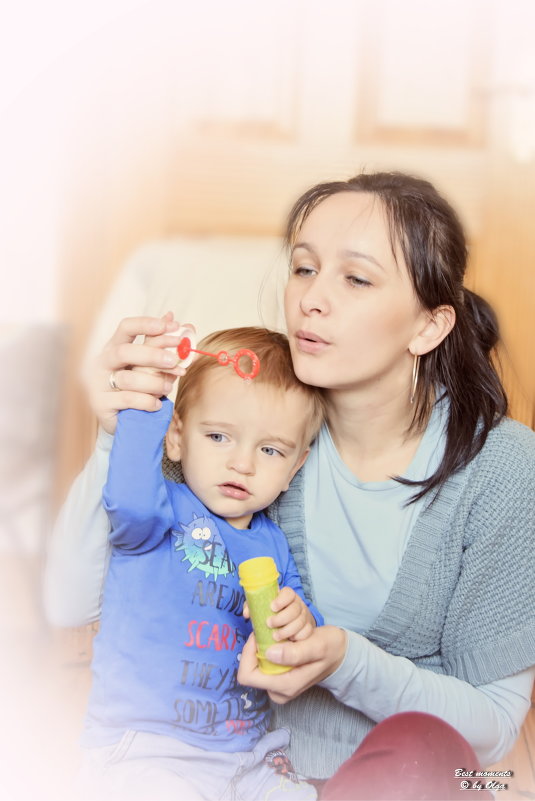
411 520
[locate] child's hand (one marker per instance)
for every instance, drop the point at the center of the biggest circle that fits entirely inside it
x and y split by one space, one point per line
293 619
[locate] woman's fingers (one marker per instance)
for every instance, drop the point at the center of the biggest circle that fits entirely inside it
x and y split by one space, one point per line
107 404
313 660
127 354
297 653
163 341
134 374
131 327
282 687
151 383
325 647
249 662
134 400
158 351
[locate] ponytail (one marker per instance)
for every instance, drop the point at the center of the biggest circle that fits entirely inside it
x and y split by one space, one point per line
463 364
485 322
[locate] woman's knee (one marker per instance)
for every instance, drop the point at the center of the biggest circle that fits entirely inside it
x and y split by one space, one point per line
411 755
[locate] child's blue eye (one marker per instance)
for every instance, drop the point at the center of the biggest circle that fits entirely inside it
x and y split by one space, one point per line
216 437
269 451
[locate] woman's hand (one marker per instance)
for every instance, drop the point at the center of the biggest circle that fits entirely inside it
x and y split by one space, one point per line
136 389
312 659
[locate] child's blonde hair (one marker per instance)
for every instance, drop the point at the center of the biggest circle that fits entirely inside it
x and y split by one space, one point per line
276 370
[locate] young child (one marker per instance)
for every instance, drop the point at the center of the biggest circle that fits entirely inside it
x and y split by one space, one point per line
167 718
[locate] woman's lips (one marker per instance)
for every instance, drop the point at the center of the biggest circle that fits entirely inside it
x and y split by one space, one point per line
307 342
236 491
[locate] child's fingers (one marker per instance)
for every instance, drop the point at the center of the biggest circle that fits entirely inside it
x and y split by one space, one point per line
298 629
305 632
246 613
286 616
295 612
285 597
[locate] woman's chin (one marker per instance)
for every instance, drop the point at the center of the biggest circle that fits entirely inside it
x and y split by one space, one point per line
313 375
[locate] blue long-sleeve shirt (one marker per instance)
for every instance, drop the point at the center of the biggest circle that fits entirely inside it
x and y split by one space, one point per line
166 656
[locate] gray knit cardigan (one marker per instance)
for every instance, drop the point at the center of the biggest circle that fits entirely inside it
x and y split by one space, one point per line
462 604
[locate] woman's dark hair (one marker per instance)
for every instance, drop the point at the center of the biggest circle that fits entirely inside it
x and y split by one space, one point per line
433 244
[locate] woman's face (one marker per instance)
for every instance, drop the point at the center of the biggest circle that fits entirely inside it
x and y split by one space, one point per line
351 309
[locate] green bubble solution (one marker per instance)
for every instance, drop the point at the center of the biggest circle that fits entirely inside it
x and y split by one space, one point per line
259 579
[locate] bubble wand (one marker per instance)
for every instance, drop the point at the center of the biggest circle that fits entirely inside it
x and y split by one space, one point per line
184 349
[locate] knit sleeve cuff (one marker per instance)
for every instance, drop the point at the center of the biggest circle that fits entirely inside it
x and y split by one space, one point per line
346 670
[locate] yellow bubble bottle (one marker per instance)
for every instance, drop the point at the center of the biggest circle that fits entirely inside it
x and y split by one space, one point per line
259 579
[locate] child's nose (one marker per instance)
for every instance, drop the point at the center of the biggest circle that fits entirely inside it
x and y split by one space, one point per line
242 461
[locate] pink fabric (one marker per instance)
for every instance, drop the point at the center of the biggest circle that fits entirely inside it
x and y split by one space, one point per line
411 755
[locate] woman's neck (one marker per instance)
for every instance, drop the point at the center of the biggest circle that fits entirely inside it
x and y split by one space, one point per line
373 435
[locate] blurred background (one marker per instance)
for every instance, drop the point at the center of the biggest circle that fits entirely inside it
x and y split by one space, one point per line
125 122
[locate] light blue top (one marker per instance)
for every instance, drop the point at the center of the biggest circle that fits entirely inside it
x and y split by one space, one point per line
372 522
456 635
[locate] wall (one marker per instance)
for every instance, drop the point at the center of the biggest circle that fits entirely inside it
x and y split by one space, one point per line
169 118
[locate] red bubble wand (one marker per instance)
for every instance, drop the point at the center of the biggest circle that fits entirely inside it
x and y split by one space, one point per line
184 349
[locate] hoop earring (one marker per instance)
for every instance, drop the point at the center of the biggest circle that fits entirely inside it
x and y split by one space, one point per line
415 372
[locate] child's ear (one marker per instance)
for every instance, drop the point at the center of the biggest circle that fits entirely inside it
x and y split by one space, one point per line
300 462
173 438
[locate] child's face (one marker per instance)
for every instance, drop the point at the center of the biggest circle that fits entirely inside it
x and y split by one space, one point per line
240 444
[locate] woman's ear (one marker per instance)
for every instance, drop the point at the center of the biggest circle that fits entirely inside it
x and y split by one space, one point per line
437 325
173 438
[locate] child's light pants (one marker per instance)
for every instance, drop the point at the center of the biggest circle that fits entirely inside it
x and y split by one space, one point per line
153 767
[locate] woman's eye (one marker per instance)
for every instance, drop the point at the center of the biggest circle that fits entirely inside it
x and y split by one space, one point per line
217 437
356 280
303 271
269 451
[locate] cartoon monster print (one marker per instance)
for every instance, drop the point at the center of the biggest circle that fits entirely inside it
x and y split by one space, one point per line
281 764
203 547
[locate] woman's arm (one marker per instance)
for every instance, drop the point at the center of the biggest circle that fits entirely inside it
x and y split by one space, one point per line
78 550
364 677
489 716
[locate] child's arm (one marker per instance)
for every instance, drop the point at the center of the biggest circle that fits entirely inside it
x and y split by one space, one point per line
135 495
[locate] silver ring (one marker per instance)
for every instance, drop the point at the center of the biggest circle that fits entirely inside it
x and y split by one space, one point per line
112 382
